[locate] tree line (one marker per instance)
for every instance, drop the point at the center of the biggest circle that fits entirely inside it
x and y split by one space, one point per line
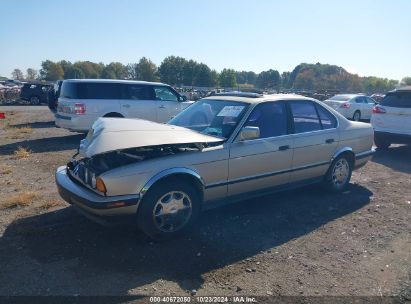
178 71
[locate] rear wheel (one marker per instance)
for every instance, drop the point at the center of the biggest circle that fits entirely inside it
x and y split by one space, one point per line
34 100
169 209
113 114
382 144
356 116
339 174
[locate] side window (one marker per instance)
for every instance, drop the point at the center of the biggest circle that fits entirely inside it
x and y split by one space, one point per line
139 92
328 121
164 93
358 100
370 100
305 116
270 118
98 90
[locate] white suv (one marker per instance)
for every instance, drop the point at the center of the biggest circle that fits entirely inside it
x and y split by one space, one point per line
391 119
83 101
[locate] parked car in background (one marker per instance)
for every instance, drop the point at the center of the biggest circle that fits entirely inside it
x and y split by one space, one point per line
36 93
352 106
163 175
82 101
391 118
54 95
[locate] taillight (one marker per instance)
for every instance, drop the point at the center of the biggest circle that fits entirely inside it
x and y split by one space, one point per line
345 105
378 110
79 108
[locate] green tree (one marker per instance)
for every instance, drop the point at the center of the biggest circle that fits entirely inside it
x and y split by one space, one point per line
246 77
51 71
146 70
17 74
31 74
227 78
268 79
171 70
406 81
91 70
114 70
204 76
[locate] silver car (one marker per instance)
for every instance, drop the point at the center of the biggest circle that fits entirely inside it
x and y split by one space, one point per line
352 106
220 149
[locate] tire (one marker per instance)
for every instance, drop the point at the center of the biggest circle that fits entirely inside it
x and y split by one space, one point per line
381 143
34 100
356 116
339 174
117 115
161 224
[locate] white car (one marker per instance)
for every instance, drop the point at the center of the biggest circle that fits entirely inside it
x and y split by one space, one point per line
391 119
352 106
83 101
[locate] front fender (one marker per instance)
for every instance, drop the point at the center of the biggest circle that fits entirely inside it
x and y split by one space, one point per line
168 172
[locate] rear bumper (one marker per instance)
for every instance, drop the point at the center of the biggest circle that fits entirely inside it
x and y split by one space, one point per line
79 123
94 205
393 137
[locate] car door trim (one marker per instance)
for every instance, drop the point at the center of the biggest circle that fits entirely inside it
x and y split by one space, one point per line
249 178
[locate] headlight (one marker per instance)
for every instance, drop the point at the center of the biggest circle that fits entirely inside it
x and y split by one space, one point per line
93 181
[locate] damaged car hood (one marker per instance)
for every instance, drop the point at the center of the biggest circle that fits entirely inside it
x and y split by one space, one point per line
110 134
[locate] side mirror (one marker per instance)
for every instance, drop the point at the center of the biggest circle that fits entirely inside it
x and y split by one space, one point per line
183 98
248 133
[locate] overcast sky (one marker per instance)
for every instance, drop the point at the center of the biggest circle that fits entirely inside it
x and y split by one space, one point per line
365 37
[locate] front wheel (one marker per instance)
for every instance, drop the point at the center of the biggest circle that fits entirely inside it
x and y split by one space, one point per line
339 174
169 209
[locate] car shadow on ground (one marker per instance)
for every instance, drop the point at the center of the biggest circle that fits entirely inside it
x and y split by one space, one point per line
49 144
118 259
35 125
396 157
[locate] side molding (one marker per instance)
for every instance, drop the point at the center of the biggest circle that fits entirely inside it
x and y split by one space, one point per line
168 172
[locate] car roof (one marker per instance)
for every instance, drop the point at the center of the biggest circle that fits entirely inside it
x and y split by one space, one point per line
402 89
263 98
348 96
115 81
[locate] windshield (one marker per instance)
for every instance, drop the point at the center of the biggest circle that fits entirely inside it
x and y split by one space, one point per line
211 117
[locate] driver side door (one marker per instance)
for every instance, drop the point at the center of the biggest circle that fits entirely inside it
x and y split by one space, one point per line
263 162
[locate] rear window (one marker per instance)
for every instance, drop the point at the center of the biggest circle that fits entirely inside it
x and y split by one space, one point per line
397 100
340 97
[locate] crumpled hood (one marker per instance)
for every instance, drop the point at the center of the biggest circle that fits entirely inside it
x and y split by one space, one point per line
110 134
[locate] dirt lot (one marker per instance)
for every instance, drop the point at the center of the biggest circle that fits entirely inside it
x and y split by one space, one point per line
305 242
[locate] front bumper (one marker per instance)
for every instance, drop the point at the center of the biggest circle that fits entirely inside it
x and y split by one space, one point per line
91 203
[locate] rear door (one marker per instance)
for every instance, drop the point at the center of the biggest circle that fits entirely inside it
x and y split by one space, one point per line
315 139
397 116
139 102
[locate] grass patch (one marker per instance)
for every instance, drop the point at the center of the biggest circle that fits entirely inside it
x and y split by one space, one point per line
51 204
25 130
22 153
5 170
21 199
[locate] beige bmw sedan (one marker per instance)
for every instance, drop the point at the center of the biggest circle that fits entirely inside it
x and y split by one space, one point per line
222 148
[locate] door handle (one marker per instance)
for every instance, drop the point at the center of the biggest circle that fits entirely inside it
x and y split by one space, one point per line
329 141
283 148
161 107
126 105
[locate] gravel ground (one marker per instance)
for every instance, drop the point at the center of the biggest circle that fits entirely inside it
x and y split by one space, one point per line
304 242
